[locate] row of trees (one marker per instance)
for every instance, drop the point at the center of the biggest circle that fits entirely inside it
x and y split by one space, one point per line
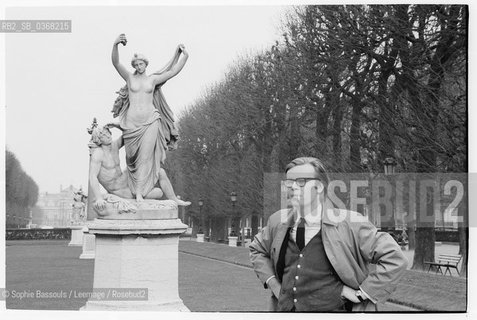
21 192
351 85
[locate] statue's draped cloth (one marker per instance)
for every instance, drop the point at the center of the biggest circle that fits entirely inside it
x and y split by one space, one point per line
146 144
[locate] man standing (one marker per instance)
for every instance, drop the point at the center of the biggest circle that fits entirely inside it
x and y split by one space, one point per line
316 258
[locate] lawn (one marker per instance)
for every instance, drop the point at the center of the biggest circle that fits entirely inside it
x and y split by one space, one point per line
420 290
204 284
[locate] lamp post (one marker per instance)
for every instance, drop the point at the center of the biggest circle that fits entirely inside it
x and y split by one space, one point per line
201 203
200 233
389 170
233 237
233 198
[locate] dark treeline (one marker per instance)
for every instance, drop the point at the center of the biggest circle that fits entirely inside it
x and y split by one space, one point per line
350 85
21 192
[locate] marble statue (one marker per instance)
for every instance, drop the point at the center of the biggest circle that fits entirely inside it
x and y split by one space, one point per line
133 227
105 170
145 118
79 207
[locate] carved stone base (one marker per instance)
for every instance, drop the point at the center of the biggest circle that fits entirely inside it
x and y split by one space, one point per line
76 236
129 209
138 254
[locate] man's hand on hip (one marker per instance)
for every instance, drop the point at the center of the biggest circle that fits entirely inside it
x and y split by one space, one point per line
349 294
275 286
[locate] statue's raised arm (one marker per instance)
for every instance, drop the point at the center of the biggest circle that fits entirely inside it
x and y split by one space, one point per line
174 68
172 62
115 57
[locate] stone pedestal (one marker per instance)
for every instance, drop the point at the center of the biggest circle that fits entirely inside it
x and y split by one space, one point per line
76 236
200 237
233 241
88 244
138 254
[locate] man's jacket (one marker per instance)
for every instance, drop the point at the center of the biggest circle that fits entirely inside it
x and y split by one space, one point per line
351 244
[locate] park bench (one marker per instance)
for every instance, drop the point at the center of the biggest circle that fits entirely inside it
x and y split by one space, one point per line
445 261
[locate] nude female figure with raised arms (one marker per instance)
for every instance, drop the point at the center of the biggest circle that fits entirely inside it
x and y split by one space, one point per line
147 131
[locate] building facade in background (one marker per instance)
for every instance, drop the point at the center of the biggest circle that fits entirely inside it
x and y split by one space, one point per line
54 209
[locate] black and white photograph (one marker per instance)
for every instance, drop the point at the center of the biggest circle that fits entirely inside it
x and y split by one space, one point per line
231 160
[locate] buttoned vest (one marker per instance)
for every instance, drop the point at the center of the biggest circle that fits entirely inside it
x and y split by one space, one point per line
309 282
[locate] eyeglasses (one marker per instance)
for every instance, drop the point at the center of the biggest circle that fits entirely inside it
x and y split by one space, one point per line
300 181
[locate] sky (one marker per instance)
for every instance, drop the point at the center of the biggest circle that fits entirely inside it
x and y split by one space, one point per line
57 83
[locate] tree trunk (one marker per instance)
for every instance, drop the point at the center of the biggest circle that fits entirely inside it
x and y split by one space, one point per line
464 232
254 225
425 246
321 115
195 225
295 136
425 237
411 233
386 145
463 248
267 143
337 118
425 231
354 148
